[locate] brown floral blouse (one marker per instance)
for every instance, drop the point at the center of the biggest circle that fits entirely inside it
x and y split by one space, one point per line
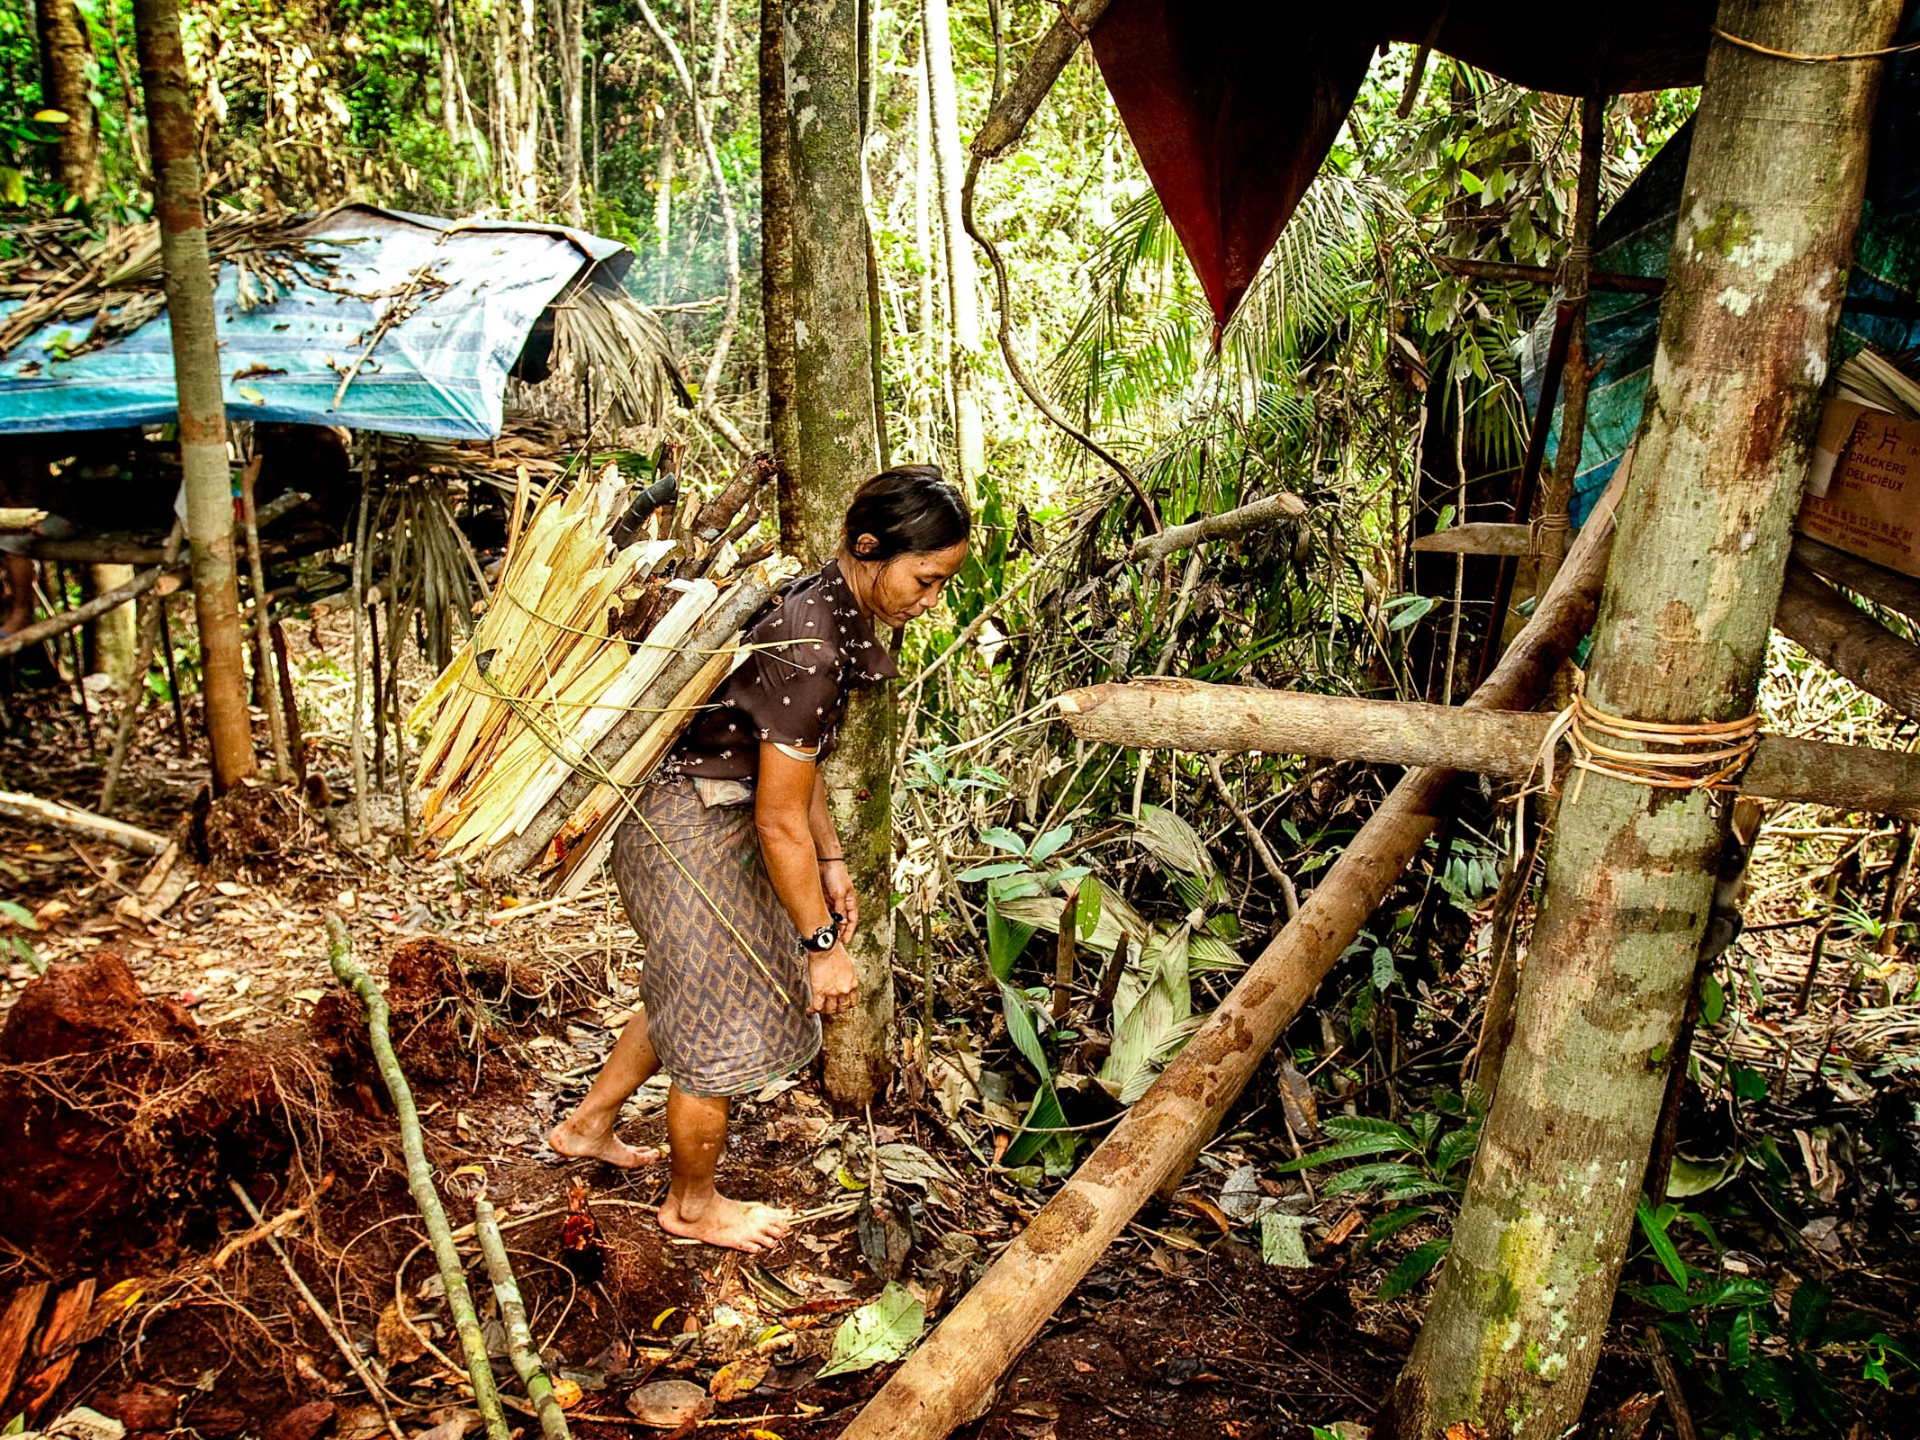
808 649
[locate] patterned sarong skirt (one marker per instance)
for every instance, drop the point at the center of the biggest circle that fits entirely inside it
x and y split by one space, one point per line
700 898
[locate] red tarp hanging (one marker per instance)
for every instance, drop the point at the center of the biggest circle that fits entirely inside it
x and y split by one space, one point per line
1233 104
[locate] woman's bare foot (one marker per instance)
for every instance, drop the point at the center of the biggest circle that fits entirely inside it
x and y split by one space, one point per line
577 1142
732 1224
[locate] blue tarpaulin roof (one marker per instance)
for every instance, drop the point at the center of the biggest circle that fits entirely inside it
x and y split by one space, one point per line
439 371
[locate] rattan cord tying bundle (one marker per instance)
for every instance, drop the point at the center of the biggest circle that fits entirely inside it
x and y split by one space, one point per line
1702 755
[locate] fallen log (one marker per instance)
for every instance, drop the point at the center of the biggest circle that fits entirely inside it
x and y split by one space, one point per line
1875 582
942 1383
453 1275
20 806
1849 641
1172 714
1227 525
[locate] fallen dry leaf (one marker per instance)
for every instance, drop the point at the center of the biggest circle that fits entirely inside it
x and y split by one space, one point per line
737 1377
669 1404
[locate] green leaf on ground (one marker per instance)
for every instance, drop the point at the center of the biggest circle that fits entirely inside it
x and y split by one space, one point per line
1281 1240
878 1333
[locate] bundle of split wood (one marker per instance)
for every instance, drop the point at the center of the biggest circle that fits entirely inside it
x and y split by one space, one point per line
586 667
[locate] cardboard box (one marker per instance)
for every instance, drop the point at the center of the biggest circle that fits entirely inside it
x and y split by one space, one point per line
1863 492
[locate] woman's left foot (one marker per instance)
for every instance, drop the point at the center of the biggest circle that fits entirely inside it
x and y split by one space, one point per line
572 1140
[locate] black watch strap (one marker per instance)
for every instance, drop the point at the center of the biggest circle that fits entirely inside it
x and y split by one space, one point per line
822 940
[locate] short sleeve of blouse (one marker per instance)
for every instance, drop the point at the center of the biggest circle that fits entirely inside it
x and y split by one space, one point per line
791 683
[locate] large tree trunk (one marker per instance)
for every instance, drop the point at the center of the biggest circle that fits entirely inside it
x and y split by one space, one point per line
776 266
196 365
63 87
963 296
1755 278
834 452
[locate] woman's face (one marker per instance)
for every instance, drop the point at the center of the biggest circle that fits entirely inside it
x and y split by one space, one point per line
907 586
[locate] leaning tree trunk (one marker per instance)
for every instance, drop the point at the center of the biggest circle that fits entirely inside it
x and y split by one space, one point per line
172 138
834 451
963 297
63 87
1755 279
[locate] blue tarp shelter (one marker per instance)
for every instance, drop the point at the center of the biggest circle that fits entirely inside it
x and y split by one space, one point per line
439 371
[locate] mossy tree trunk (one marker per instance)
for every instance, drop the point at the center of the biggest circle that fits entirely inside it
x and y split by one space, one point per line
834 449
1758 267
174 143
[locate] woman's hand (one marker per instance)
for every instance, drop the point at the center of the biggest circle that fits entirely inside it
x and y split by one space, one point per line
831 978
838 886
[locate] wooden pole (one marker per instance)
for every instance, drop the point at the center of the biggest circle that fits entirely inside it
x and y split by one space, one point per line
1189 716
513 1318
263 667
1228 525
1849 641
1756 276
940 1386
173 136
19 806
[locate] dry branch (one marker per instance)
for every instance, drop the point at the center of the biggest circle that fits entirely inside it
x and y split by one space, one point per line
1850 641
1008 119
1260 515
513 1318
486 1398
19 806
941 1384
1197 718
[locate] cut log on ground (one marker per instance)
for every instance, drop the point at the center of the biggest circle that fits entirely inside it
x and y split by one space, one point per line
1186 715
20 806
1850 641
941 1385
1260 515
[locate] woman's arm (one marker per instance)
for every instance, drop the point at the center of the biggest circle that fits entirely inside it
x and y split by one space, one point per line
783 814
835 878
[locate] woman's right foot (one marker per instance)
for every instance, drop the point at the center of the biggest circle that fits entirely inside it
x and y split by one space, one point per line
576 1142
730 1224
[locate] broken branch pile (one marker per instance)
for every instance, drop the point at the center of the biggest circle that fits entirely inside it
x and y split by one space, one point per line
585 669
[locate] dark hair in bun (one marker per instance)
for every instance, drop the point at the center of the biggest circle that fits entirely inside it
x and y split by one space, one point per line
908 510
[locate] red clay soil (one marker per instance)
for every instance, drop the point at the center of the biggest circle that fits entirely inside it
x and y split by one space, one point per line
437 1022
119 1116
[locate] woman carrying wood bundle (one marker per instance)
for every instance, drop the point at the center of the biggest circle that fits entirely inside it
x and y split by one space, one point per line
730 868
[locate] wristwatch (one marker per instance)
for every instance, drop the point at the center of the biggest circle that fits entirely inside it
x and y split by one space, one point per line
822 940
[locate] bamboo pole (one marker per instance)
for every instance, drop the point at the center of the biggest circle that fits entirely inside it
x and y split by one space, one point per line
1190 716
940 1386
446 1254
513 1317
